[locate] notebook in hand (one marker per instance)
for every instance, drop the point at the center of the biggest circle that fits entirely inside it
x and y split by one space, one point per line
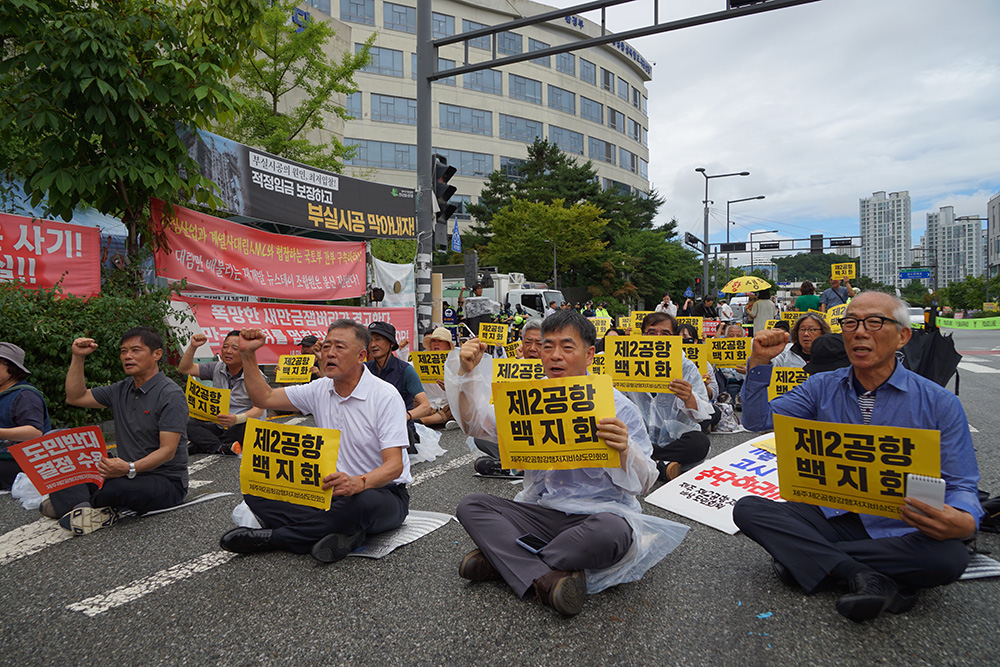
929 490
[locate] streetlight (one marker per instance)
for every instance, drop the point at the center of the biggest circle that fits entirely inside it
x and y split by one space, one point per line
555 275
770 231
701 170
734 201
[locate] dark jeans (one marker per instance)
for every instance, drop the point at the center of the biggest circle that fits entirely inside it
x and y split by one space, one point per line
689 449
209 437
147 492
8 471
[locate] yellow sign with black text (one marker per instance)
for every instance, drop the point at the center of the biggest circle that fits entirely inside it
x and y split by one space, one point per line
205 403
784 379
517 370
511 349
697 322
552 424
598 367
843 271
294 368
833 316
637 317
602 324
770 324
624 322
285 462
697 353
852 467
645 363
728 352
429 365
792 315
492 333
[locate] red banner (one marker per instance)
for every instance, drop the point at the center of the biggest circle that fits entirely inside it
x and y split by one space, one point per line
285 324
230 257
40 253
62 459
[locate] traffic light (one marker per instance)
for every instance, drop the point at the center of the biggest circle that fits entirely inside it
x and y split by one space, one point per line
442 174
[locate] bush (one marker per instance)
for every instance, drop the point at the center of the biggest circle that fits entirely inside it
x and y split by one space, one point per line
44 322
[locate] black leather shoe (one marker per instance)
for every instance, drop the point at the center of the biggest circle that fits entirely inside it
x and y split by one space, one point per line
783 574
336 546
247 540
871 594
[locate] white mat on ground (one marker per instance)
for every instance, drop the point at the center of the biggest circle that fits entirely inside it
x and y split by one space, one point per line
981 567
416 525
707 492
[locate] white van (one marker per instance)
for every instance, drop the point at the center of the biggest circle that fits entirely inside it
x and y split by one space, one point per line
533 301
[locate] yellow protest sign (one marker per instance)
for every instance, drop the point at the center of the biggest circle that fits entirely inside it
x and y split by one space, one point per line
294 368
728 352
792 315
770 324
784 379
286 462
637 317
842 271
429 365
852 467
597 368
697 353
990 306
645 363
624 322
696 322
511 349
205 403
492 333
602 324
552 424
517 370
833 316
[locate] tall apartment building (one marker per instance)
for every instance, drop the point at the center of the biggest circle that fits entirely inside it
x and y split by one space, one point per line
591 103
956 246
993 236
885 236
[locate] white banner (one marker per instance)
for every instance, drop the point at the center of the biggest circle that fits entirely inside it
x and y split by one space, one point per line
400 289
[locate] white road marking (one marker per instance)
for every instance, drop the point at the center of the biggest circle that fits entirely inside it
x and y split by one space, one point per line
197 483
296 420
30 539
116 597
973 429
201 464
442 469
976 368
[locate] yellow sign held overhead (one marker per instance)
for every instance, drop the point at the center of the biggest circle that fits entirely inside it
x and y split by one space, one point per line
602 324
517 370
770 324
206 403
696 322
792 315
852 467
294 368
552 424
624 322
429 365
729 352
645 363
285 462
784 379
843 271
637 317
598 367
511 349
492 333
833 316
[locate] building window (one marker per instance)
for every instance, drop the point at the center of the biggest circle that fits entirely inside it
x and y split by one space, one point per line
591 110
617 186
608 80
509 43
384 61
636 98
588 71
353 105
486 80
382 154
477 165
567 140
444 64
461 203
520 129
479 42
616 120
623 89
511 167
645 136
322 5
358 11
535 45
601 150
566 63
561 99
628 160
466 119
389 109
634 129
523 88
644 106
399 17
442 25
644 169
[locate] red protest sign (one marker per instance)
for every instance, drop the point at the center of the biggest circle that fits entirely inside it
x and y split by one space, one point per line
62 459
285 324
40 253
230 257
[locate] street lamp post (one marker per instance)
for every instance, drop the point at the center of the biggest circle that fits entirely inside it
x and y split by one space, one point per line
769 231
734 201
701 170
555 274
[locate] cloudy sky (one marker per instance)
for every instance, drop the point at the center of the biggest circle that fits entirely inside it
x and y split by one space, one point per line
823 103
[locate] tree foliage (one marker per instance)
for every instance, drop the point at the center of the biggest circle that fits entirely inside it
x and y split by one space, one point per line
970 294
809 266
92 93
291 87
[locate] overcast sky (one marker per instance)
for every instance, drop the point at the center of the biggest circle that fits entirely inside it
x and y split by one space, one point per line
823 103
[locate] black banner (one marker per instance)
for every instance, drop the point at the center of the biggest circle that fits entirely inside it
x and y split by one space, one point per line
259 185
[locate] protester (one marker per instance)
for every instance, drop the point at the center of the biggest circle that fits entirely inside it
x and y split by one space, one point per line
673 420
219 438
687 310
150 415
369 487
667 306
707 309
590 517
807 300
725 311
762 309
401 375
804 333
828 354
24 414
548 311
883 561
691 336
835 295
310 345
439 340
734 376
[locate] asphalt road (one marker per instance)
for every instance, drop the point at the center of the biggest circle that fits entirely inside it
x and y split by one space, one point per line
157 590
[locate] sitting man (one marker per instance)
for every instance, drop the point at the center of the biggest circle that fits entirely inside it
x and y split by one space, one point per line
882 560
387 366
590 517
369 487
23 412
218 438
438 340
150 416
310 345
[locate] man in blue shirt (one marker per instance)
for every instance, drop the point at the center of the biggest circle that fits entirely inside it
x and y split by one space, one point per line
882 560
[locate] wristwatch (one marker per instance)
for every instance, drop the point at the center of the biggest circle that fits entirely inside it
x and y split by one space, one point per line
131 470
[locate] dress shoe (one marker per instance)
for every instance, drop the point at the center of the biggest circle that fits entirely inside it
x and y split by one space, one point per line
783 574
563 591
871 593
47 509
336 546
475 567
247 540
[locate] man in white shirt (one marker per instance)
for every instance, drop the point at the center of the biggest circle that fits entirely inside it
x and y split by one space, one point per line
369 486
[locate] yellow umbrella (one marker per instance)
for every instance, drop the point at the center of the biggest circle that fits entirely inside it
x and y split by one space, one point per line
746 284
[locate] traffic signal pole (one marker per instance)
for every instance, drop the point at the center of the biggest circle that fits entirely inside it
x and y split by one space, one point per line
426 61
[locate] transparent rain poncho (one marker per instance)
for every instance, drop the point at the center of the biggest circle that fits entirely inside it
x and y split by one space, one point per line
581 491
665 416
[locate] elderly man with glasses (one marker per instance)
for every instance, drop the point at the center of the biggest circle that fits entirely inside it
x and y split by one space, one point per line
882 561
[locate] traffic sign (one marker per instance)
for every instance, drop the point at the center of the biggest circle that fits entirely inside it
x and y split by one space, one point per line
689 292
456 239
914 275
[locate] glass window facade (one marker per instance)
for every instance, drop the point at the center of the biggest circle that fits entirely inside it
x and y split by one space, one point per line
466 119
485 80
399 17
535 45
591 110
468 163
523 88
353 104
562 99
383 154
442 25
567 140
601 150
478 42
520 129
389 109
509 43
566 63
384 61
588 71
358 11
616 120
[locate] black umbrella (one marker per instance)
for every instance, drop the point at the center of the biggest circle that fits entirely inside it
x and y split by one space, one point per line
932 355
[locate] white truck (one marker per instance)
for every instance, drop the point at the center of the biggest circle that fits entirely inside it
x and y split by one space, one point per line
511 290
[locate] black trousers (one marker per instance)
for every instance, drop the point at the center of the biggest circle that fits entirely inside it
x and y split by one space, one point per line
687 450
488 448
8 471
147 492
713 420
209 437
800 537
297 528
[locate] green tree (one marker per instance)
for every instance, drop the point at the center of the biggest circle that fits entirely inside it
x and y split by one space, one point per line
808 266
92 93
396 251
291 86
654 263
